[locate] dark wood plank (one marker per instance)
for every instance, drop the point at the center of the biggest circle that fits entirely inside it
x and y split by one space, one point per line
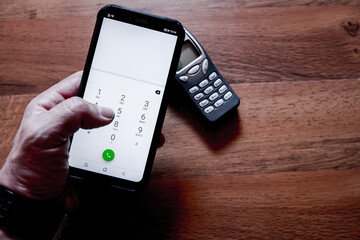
24 9
246 44
36 54
316 205
12 109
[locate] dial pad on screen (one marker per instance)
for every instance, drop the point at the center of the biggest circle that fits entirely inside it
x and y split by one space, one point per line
211 93
123 145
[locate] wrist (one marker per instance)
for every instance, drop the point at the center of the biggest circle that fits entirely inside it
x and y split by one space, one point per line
11 181
24 217
23 174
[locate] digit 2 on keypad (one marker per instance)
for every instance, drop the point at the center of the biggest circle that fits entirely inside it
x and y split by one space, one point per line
202 82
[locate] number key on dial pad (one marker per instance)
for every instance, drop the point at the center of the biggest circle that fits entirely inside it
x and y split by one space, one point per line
199 96
203 83
209 109
193 89
218 82
212 76
219 103
203 103
214 96
222 89
228 95
208 90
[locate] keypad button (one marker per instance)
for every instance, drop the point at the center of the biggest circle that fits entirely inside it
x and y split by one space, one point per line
209 109
199 96
203 83
212 76
194 69
228 95
203 103
208 90
218 103
214 96
218 82
193 89
222 89
184 78
205 65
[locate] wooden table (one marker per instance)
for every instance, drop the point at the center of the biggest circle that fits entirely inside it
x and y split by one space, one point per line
286 167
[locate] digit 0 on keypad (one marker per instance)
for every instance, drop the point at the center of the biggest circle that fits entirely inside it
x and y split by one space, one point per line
202 82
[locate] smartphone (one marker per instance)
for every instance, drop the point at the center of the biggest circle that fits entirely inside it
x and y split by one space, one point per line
203 84
131 63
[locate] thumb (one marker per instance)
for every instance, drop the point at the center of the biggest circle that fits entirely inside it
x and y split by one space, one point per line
74 113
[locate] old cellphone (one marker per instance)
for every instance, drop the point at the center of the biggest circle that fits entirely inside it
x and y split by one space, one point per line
202 82
130 64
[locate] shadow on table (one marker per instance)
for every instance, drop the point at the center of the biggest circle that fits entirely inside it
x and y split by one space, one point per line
216 135
113 214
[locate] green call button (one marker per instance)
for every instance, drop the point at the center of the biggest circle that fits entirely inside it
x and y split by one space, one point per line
108 155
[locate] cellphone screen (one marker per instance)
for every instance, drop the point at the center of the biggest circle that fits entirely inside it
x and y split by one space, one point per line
188 54
128 73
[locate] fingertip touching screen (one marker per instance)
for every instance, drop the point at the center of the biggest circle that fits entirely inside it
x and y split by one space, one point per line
128 73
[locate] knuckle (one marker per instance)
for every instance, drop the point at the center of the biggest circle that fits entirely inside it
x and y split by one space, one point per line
77 105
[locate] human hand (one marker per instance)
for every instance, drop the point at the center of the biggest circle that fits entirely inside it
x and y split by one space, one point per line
37 166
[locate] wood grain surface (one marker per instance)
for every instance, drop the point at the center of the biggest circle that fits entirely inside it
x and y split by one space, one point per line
285 166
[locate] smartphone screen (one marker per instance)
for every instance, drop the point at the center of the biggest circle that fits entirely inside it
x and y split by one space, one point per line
128 73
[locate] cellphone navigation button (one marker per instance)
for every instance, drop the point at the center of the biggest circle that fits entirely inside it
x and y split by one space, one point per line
184 78
194 70
205 66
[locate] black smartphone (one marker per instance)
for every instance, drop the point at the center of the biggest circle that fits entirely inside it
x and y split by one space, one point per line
131 63
202 82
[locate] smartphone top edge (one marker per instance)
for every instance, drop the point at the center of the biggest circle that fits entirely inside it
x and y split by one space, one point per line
110 7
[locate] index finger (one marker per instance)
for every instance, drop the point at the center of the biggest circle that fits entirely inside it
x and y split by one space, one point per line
64 89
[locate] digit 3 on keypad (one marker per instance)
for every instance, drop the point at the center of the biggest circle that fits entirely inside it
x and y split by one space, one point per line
203 83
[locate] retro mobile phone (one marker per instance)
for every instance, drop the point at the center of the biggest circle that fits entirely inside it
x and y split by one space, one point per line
202 82
131 62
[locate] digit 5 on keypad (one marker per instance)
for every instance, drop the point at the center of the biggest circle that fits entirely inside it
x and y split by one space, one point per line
202 82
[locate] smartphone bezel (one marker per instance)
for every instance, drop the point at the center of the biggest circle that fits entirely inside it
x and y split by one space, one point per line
149 21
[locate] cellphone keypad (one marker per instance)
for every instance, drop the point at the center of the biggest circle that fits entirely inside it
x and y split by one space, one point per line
211 93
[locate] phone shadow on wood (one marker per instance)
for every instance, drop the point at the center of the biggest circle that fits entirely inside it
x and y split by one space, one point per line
113 214
216 135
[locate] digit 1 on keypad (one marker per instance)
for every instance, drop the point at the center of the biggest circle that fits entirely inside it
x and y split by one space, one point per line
98 93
